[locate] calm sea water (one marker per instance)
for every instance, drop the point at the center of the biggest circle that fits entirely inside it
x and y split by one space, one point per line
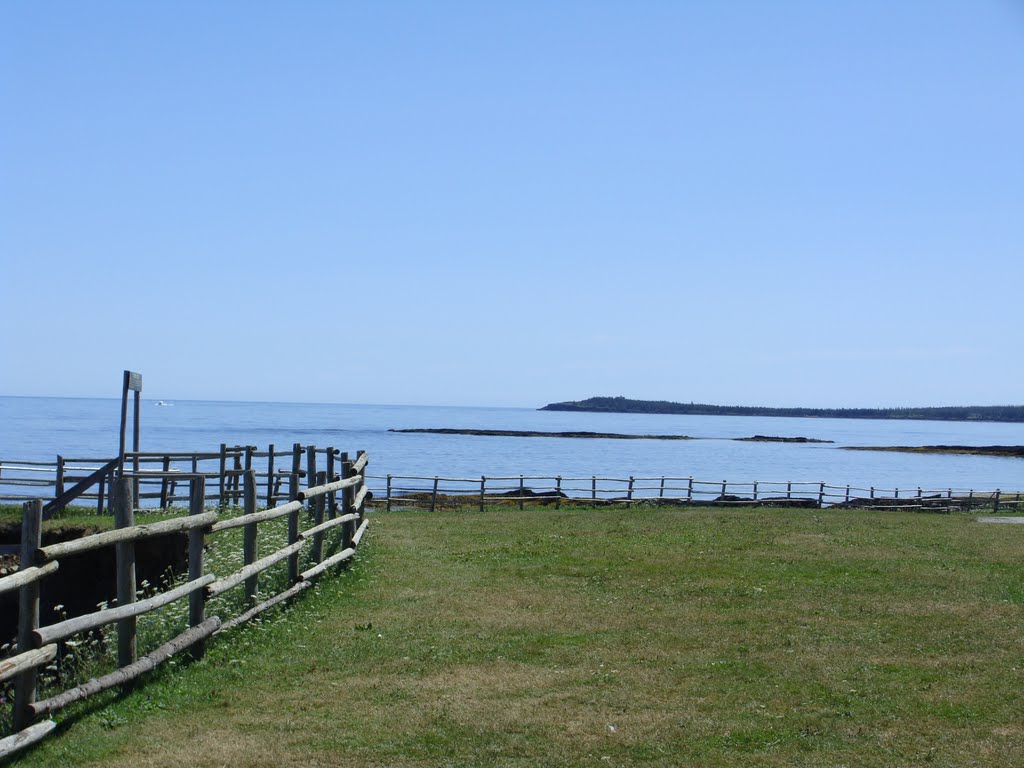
39 428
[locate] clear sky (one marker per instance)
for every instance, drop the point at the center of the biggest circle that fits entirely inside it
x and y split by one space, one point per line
778 203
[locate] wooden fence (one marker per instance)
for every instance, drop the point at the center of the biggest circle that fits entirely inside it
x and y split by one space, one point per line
160 479
430 492
39 645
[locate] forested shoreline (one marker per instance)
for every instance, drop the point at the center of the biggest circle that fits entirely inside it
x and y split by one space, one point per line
1005 413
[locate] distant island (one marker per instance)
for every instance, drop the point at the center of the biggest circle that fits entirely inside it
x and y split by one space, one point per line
1008 413
970 450
602 435
531 433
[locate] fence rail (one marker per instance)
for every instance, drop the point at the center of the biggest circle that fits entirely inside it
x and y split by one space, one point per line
431 492
39 645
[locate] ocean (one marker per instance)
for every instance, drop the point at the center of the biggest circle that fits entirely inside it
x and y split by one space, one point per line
34 428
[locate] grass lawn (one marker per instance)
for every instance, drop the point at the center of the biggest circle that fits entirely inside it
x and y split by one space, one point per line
610 637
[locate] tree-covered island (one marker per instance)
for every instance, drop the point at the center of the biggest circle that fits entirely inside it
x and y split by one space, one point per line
1008 413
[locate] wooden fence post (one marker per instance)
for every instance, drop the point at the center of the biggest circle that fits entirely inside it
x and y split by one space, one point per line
821 494
361 507
318 517
164 483
789 490
433 496
661 488
389 494
196 545
593 488
296 458
270 476
847 493
28 611
221 498
629 492
483 484
332 497
995 501
236 476
348 530
310 467
724 486
250 544
689 490
755 490
124 517
558 492
522 492
58 488
362 484
104 483
293 527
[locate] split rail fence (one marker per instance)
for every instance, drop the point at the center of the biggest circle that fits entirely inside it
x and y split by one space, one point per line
430 492
161 479
333 502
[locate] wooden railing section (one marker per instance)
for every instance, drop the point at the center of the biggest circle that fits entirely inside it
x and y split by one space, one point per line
519 490
162 477
335 501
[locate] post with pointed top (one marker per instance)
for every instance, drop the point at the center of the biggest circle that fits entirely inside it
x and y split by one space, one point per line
483 482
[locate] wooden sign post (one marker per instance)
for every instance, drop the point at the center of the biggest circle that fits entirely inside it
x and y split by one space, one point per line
132 383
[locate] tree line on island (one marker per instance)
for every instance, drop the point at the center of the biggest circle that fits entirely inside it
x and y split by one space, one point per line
1008 413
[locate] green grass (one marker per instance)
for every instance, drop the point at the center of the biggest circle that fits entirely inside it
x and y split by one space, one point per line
84 518
609 637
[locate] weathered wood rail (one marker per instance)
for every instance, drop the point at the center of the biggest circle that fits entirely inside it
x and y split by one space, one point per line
336 501
161 478
519 490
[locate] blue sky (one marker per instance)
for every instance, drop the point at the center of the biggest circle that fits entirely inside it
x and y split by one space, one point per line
787 203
